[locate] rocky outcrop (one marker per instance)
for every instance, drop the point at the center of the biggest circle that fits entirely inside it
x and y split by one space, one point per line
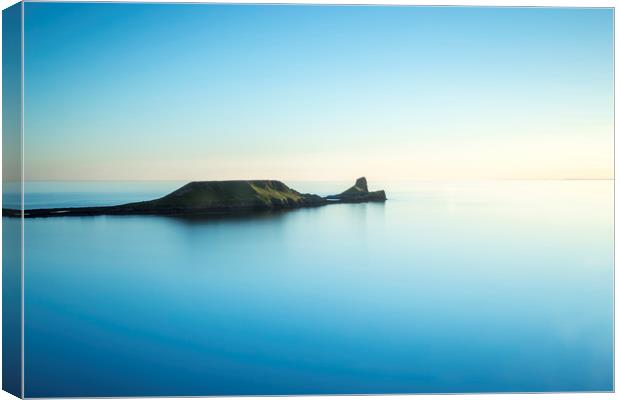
217 198
358 193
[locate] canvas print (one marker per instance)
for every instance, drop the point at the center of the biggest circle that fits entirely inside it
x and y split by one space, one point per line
233 199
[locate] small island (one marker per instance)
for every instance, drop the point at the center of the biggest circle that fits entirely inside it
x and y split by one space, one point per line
205 198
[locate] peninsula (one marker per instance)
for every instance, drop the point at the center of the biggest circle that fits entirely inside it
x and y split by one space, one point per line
216 198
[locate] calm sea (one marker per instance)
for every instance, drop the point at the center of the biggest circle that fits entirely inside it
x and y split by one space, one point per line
447 287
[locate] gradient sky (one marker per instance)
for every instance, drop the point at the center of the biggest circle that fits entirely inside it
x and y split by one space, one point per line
137 91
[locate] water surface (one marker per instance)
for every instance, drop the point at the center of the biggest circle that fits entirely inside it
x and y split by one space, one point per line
447 287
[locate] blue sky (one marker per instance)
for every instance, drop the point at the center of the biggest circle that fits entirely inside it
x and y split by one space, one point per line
154 91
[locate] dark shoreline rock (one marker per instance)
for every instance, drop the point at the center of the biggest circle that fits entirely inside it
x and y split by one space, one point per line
216 198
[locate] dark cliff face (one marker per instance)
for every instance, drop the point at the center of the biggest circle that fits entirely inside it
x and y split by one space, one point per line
218 197
361 184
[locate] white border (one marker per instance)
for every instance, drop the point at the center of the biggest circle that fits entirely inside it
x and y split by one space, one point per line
505 3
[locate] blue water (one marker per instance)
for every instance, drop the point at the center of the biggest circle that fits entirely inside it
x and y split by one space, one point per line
447 287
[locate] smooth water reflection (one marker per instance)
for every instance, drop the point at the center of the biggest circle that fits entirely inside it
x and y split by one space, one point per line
447 287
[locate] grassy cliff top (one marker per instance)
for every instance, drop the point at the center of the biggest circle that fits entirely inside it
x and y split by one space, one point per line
209 193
